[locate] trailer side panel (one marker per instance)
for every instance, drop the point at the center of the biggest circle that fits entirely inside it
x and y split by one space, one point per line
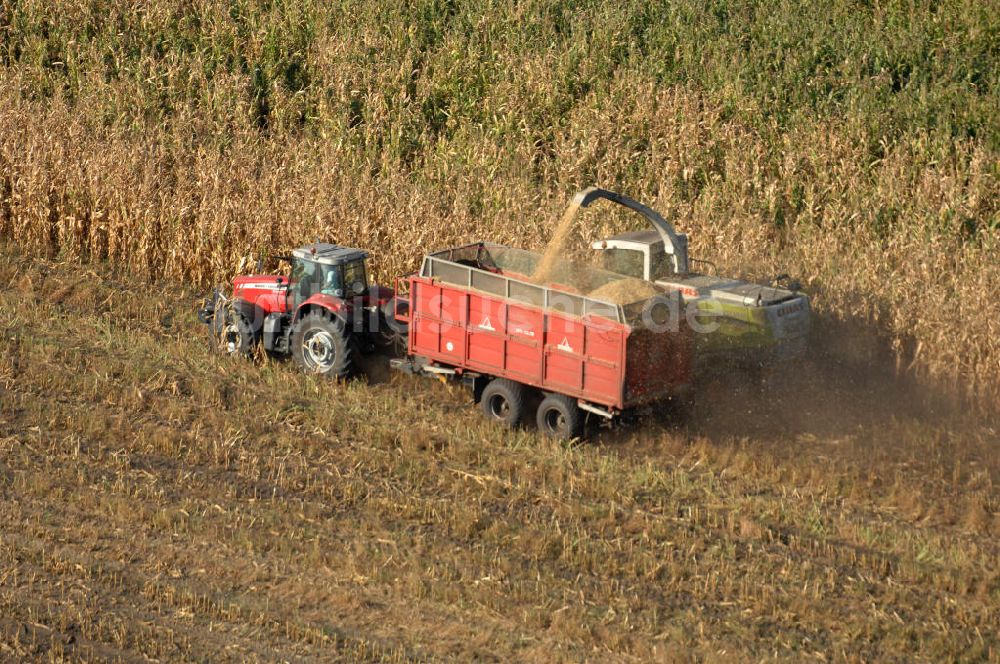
583 357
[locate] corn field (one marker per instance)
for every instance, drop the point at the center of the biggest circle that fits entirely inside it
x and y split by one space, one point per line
852 144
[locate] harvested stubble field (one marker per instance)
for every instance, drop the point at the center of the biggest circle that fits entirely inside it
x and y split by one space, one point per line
157 502
160 502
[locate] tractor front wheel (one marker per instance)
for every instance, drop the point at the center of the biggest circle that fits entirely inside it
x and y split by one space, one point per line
234 337
320 345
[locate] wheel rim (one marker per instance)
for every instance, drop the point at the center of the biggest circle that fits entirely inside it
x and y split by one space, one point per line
230 338
499 406
555 420
319 349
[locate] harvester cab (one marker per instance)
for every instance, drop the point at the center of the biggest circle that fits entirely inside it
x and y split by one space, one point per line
645 253
642 255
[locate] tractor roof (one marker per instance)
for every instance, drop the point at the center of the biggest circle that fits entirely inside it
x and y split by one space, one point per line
331 254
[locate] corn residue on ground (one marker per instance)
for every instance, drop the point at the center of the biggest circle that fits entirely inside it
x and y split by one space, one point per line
160 502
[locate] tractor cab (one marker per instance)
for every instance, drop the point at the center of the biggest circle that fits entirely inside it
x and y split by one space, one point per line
319 313
328 269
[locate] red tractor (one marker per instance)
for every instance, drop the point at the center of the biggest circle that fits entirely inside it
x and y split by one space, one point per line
320 313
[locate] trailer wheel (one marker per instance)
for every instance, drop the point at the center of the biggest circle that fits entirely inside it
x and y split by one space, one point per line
560 417
320 345
503 401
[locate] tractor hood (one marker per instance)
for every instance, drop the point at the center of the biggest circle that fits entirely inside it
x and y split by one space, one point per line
260 282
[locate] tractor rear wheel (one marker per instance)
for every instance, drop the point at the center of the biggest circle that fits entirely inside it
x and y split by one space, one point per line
320 345
560 417
503 401
391 334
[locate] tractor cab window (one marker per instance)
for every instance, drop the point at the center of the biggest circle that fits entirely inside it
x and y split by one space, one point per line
309 277
355 280
629 262
332 282
304 277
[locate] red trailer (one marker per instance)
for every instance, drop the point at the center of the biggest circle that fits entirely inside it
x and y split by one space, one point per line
473 313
